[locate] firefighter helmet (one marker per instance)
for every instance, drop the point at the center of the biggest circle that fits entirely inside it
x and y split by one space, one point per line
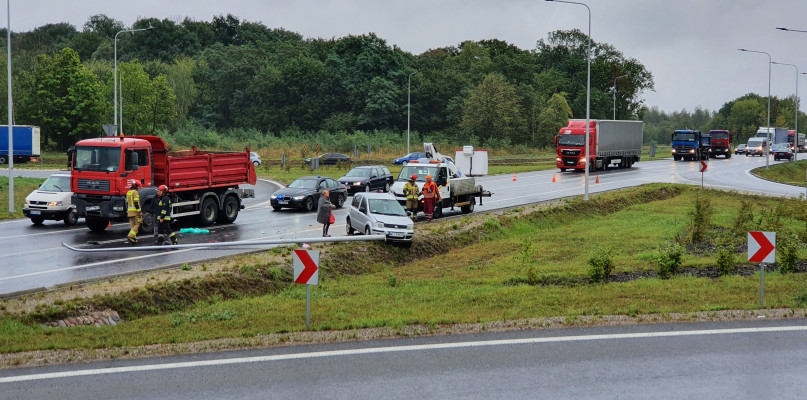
162 188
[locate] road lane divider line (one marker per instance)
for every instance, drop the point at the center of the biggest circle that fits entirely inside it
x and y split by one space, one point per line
394 349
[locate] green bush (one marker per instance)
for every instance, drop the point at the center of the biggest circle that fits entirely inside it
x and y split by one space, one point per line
600 265
701 218
744 220
669 261
787 253
725 261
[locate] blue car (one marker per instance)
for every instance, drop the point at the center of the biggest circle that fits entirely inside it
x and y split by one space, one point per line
409 157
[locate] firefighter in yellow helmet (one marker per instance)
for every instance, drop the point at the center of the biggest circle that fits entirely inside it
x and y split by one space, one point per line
133 212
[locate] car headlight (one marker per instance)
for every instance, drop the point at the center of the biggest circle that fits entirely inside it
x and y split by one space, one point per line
298 197
410 226
356 183
54 204
379 224
273 197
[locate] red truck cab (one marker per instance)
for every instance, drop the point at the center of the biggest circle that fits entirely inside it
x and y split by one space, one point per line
721 143
571 145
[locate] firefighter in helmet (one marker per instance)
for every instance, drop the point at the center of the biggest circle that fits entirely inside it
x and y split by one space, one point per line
164 217
133 212
412 192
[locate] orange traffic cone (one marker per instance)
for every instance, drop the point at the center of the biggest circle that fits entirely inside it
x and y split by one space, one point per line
109 224
598 179
514 177
553 178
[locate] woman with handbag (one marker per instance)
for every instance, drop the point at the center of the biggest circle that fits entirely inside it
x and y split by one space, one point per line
324 214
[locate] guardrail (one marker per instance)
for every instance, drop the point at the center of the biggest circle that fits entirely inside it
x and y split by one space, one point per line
363 238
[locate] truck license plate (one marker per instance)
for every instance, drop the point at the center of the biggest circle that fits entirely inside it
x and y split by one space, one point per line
35 212
92 208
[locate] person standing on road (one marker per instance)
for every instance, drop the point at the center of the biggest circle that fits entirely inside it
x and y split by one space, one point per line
430 196
324 212
133 212
412 192
164 217
155 210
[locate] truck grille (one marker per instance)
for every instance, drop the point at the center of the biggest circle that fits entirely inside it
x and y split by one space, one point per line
683 147
570 161
98 185
566 152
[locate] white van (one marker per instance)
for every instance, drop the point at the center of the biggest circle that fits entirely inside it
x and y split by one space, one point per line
52 201
756 146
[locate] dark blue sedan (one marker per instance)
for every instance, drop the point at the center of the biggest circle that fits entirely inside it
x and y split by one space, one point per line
409 157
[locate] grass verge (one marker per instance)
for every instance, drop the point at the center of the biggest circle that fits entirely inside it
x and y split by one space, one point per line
524 264
22 188
791 173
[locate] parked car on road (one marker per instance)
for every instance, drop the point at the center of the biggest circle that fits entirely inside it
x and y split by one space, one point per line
380 214
782 151
330 159
409 157
740 149
367 178
52 201
304 193
255 158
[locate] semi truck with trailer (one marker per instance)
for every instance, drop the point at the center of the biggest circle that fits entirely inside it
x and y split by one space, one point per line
456 189
690 145
610 142
201 184
721 143
26 142
796 141
774 135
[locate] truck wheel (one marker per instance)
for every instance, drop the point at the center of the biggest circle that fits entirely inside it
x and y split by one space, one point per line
728 155
438 210
147 223
209 211
470 207
309 204
71 218
97 224
230 210
349 229
37 220
563 170
3 160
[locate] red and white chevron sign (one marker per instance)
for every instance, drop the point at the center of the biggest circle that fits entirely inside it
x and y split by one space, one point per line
762 247
306 267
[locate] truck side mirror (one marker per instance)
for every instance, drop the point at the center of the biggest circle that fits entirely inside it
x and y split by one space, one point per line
556 140
135 160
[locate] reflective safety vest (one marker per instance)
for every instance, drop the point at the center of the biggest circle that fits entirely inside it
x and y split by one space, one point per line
164 208
411 190
133 203
429 190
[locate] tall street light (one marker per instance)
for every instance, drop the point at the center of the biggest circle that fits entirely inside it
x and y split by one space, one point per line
767 153
408 107
588 91
115 73
796 127
10 133
620 76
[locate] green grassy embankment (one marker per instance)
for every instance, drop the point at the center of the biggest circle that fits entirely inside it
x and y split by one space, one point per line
791 173
522 264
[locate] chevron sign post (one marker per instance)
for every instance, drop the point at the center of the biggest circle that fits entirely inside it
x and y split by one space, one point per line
306 271
762 249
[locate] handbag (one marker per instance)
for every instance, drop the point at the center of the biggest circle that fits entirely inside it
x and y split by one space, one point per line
332 219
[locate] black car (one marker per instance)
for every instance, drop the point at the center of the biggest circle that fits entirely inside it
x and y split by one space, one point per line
740 149
304 193
330 159
782 151
367 178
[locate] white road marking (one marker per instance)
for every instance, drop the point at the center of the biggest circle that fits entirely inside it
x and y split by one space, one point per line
391 349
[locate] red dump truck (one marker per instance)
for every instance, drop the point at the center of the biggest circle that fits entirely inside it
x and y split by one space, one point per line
202 184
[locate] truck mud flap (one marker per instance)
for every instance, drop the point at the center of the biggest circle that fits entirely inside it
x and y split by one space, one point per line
246 193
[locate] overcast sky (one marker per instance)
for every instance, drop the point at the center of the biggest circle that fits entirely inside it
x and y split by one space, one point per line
690 46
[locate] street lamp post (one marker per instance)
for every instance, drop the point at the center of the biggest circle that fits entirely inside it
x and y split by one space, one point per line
408 107
767 152
620 76
115 78
796 124
588 91
10 133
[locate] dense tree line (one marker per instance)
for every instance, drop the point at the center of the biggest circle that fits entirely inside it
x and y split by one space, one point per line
228 73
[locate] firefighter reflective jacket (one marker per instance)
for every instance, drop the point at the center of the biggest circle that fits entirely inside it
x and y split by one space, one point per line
411 190
164 208
132 203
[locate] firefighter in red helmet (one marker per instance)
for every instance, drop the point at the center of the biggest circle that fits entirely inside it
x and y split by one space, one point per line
164 217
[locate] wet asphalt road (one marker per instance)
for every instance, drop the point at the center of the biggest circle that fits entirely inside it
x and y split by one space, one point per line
33 258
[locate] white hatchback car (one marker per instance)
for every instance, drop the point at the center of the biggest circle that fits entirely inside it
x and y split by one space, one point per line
380 214
52 201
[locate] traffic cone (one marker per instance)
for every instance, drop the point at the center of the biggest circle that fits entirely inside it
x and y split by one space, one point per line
553 178
598 179
109 224
514 177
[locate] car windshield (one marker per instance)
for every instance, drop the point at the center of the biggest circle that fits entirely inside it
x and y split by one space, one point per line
386 207
303 184
359 173
742 146
104 159
781 146
683 137
754 143
420 170
56 184
571 140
